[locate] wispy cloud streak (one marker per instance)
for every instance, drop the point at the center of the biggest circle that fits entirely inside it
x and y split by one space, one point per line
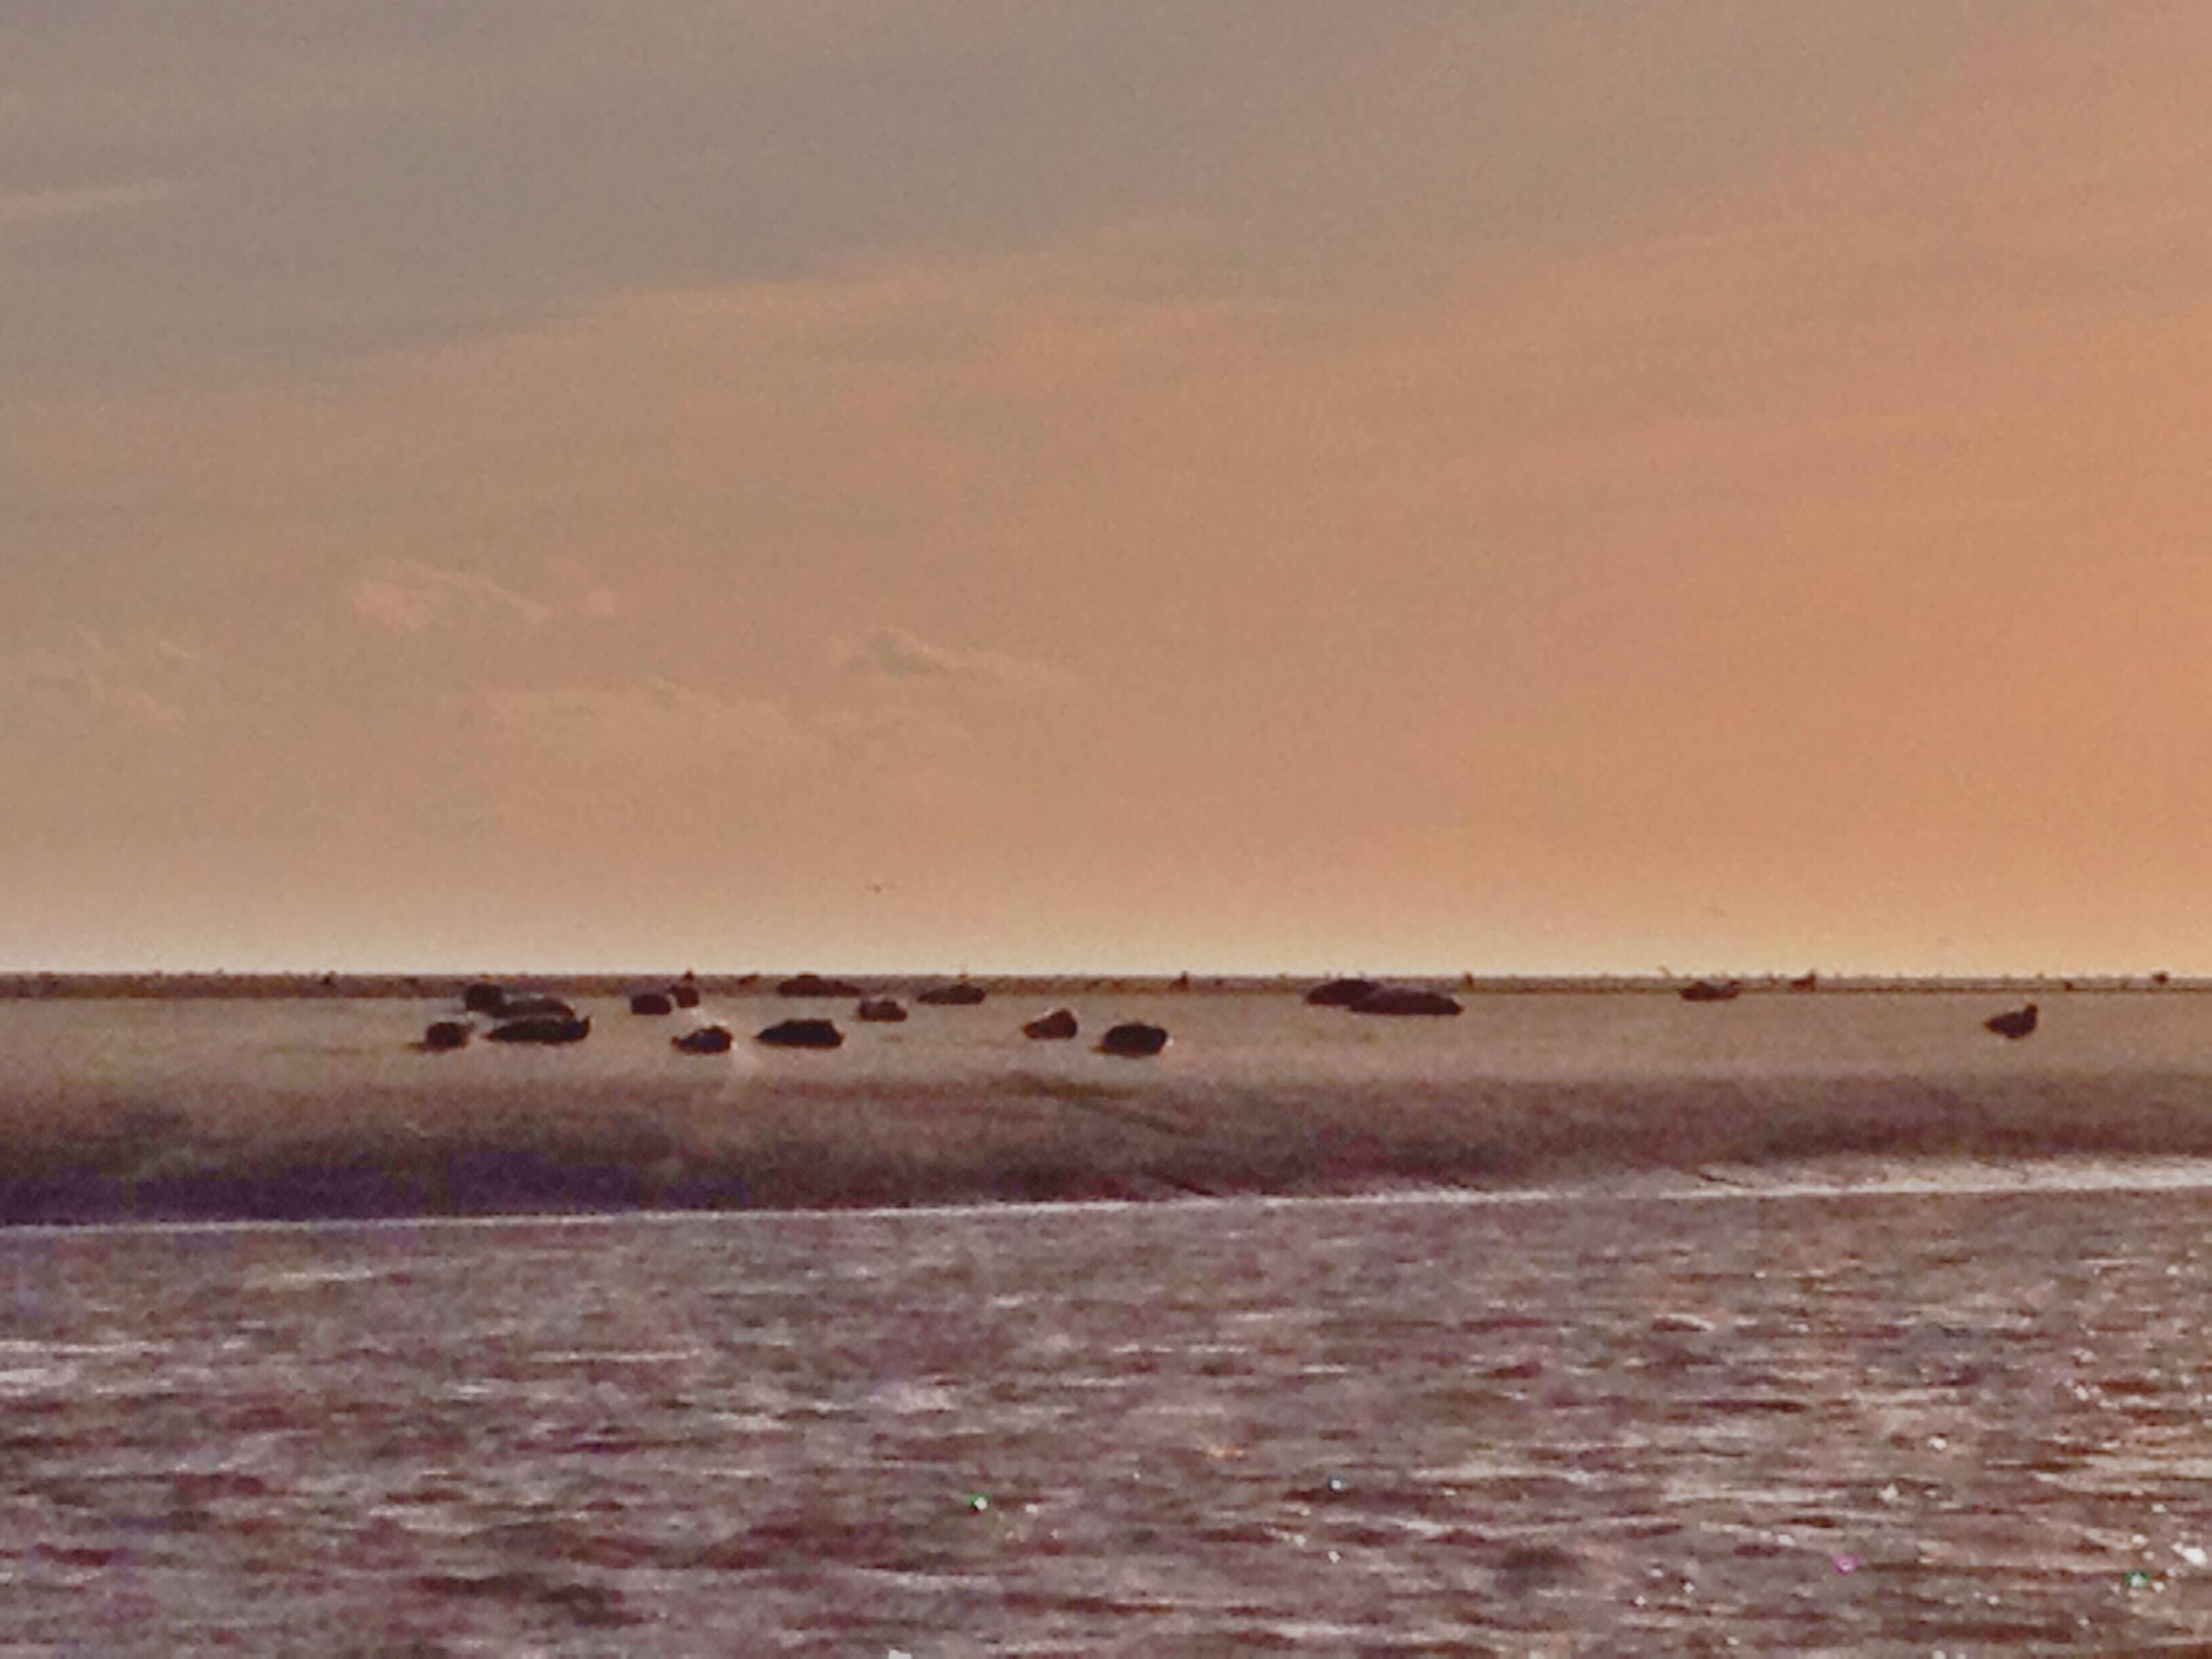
892 653
45 207
147 681
408 597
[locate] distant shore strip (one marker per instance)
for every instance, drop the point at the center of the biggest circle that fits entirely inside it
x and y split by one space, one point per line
35 984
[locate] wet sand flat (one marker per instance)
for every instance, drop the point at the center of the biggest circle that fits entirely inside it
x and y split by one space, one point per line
208 1106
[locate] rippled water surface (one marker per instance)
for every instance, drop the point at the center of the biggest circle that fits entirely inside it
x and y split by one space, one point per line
1971 1420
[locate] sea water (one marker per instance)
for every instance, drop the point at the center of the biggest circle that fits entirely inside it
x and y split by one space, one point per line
1968 1419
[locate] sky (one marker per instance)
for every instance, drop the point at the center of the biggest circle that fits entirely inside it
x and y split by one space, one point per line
1269 485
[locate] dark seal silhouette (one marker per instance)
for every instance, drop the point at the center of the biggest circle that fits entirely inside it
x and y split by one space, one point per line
880 1011
1135 1039
1805 981
484 996
1341 992
444 1034
2014 1023
960 994
543 1029
534 1005
814 985
1711 990
1055 1027
802 1034
707 1039
685 994
652 1002
1404 1000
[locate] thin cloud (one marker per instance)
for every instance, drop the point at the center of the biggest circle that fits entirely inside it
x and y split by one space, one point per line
883 737
654 722
579 589
38 207
892 653
405 597
147 681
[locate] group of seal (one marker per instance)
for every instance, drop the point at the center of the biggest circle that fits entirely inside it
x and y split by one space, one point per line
529 1016
1365 996
533 1017
516 1017
2012 1025
1133 1039
536 1018
682 995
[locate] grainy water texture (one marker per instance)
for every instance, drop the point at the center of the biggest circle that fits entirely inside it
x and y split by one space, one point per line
1899 1409
1972 1421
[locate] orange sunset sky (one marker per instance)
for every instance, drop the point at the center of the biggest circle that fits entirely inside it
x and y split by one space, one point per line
1253 485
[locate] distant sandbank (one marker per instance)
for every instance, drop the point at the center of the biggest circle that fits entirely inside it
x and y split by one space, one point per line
197 985
179 1098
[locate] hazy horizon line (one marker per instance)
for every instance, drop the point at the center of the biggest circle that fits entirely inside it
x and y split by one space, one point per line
1656 976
